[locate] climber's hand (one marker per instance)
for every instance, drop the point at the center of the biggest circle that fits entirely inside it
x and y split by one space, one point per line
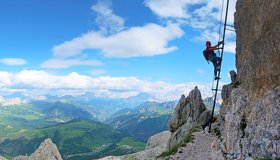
221 42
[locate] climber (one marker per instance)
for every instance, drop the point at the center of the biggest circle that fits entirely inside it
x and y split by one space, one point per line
210 55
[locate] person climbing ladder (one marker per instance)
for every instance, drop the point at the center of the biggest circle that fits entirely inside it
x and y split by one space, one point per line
210 55
220 61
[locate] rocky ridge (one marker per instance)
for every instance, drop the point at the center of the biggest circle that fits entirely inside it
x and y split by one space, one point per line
189 113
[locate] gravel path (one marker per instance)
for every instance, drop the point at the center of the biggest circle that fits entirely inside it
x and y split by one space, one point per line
199 150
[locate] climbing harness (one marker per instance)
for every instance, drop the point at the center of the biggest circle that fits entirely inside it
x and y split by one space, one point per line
219 71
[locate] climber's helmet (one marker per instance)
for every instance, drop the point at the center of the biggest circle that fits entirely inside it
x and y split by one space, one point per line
208 43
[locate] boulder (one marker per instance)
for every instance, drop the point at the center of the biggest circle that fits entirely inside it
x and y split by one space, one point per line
154 147
158 140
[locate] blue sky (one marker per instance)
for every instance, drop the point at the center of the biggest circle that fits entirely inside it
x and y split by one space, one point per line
132 46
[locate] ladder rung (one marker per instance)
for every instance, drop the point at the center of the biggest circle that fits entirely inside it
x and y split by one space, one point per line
230 25
231 30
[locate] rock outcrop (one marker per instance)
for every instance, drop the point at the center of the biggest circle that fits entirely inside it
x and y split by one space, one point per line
226 93
189 113
251 128
154 147
250 113
46 151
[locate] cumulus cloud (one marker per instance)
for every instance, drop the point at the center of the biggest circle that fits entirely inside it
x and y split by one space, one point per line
203 15
13 61
114 40
2 99
149 40
108 22
170 8
36 83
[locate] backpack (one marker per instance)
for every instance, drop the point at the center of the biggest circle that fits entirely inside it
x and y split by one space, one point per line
207 53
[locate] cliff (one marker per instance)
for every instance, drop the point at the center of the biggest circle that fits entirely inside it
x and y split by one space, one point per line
250 112
257 25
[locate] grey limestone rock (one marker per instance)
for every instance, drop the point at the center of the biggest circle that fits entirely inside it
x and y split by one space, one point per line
250 112
46 151
189 113
257 25
154 147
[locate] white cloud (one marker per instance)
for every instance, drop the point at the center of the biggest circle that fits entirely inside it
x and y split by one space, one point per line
36 83
98 71
208 36
170 8
230 47
66 63
13 61
107 21
149 40
2 99
114 40
204 15
5 79
12 101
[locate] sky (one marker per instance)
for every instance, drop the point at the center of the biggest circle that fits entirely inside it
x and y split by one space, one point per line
111 48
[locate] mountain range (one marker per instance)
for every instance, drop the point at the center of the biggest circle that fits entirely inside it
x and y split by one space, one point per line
83 127
75 139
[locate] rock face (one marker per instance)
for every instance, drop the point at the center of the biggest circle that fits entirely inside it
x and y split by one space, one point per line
158 140
46 151
257 25
252 128
250 112
190 112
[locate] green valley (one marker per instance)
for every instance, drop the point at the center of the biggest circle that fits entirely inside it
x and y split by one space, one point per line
39 114
146 120
76 139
